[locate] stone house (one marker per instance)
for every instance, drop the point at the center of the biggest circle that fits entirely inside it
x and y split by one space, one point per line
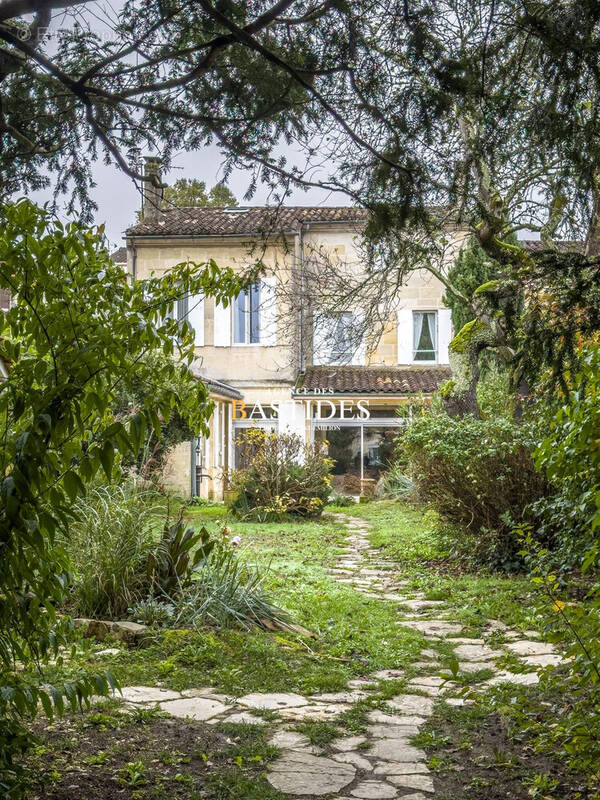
266 361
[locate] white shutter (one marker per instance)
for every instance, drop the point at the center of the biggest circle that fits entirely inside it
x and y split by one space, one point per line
360 350
268 311
405 336
216 433
444 316
195 317
222 326
292 419
321 340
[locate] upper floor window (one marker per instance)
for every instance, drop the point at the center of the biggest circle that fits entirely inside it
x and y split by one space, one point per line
337 339
424 336
341 340
246 316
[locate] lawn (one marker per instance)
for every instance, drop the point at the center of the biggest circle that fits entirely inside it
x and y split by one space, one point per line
351 635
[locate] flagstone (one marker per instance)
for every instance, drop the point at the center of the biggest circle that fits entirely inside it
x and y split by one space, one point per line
417 605
412 704
400 768
464 640
378 717
529 648
518 678
318 711
289 740
476 652
422 782
300 773
374 790
432 627
348 743
427 680
340 697
475 666
396 750
199 708
203 691
547 660
388 674
273 701
356 759
247 718
148 694
379 731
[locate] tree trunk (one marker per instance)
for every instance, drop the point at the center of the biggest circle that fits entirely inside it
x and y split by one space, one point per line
459 394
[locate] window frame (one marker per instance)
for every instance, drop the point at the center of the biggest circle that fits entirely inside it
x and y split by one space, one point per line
415 350
249 314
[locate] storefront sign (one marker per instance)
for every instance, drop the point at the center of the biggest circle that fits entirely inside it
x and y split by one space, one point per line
325 409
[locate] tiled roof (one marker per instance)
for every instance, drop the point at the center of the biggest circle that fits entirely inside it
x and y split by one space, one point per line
537 246
250 220
374 380
119 256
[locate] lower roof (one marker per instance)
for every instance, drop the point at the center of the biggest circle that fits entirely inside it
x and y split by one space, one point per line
371 380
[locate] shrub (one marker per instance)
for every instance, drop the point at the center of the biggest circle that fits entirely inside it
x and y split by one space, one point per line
225 593
570 456
115 531
341 500
397 484
480 476
279 475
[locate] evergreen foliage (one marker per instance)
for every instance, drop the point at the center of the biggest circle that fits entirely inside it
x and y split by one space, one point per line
472 268
190 192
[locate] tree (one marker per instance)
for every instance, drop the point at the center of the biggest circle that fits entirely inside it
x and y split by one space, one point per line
484 111
187 192
472 268
78 331
365 95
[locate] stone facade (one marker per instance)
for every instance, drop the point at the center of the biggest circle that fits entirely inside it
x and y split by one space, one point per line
265 373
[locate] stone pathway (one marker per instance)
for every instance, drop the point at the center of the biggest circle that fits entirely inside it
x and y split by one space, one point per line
382 763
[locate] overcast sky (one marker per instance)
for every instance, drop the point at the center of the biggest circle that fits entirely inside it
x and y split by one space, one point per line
118 197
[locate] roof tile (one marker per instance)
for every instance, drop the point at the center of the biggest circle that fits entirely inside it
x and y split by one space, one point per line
210 221
374 380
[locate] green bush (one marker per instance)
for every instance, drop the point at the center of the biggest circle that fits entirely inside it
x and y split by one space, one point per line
568 576
397 484
480 476
279 475
226 592
130 560
110 543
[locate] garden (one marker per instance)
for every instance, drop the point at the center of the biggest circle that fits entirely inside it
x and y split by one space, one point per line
441 636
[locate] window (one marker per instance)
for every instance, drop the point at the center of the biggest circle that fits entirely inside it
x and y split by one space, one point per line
424 336
246 316
341 341
336 339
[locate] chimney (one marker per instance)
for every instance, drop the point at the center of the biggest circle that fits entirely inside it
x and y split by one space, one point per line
152 192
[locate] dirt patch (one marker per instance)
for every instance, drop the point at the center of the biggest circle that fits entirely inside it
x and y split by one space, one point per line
98 756
487 763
